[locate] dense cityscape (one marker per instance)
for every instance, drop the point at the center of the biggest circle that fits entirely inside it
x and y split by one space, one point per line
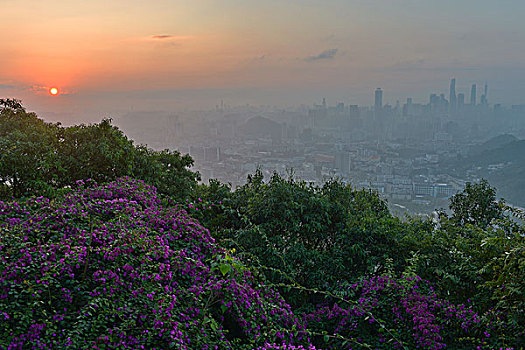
404 151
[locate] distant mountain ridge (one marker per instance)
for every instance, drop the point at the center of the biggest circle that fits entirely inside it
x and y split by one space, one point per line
494 143
501 160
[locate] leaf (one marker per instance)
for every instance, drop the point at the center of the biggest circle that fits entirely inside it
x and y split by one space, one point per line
225 268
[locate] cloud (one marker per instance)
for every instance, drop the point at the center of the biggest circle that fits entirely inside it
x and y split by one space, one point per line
162 36
325 55
6 86
169 37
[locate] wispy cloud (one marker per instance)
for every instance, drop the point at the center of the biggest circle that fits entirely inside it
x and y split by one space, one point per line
161 36
325 55
169 37
257 59
6 86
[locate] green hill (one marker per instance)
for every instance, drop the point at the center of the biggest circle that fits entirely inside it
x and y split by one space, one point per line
502 162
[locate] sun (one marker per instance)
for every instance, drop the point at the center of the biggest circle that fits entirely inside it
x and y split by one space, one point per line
53 91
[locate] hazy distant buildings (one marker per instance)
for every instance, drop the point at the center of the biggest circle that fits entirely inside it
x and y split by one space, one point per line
433 190
452 98
340 117
378 100
483 100
212 154
343 162
473 95
438 104
461 101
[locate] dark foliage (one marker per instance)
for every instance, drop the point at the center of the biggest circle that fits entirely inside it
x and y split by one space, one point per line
37 158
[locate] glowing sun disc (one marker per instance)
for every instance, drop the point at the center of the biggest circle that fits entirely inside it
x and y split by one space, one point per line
53 91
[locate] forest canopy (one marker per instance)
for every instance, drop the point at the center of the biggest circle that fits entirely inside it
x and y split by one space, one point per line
38 158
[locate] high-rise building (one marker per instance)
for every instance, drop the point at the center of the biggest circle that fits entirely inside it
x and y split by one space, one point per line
484 100
461 101
473 95
452 99
378 99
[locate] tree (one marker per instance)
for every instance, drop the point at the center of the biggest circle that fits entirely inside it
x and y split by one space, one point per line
317 235
26 151
10 104
36 157
476 205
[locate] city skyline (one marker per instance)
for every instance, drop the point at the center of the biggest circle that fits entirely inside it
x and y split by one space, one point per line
181 54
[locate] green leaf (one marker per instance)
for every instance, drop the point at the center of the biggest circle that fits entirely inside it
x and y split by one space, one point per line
225 268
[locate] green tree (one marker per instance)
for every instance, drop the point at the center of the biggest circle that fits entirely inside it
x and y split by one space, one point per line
314 235
98 151
10 104
37 157
27 155
476 205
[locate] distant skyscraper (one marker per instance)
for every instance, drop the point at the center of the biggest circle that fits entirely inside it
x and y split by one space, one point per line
473 95
461 101
484 100
452 100
378 99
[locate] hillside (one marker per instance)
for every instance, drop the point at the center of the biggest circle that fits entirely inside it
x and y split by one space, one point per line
502 162
110 267
159 261
493 143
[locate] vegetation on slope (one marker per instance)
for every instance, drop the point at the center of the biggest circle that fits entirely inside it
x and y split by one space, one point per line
500 160
284 265
38 157
332 237
109 267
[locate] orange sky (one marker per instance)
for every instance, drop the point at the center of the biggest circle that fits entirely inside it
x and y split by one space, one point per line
98 51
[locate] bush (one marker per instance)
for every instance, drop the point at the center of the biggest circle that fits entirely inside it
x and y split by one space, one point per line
109 267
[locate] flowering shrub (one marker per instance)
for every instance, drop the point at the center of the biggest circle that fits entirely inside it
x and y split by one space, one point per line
109 267
392 313
285 347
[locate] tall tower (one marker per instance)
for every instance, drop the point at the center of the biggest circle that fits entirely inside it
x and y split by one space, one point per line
484 100
473 95
378 100
453 100
461 101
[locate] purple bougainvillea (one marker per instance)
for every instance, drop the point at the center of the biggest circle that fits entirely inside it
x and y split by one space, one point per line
107 266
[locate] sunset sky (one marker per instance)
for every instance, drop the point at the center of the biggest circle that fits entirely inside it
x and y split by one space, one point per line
113 55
